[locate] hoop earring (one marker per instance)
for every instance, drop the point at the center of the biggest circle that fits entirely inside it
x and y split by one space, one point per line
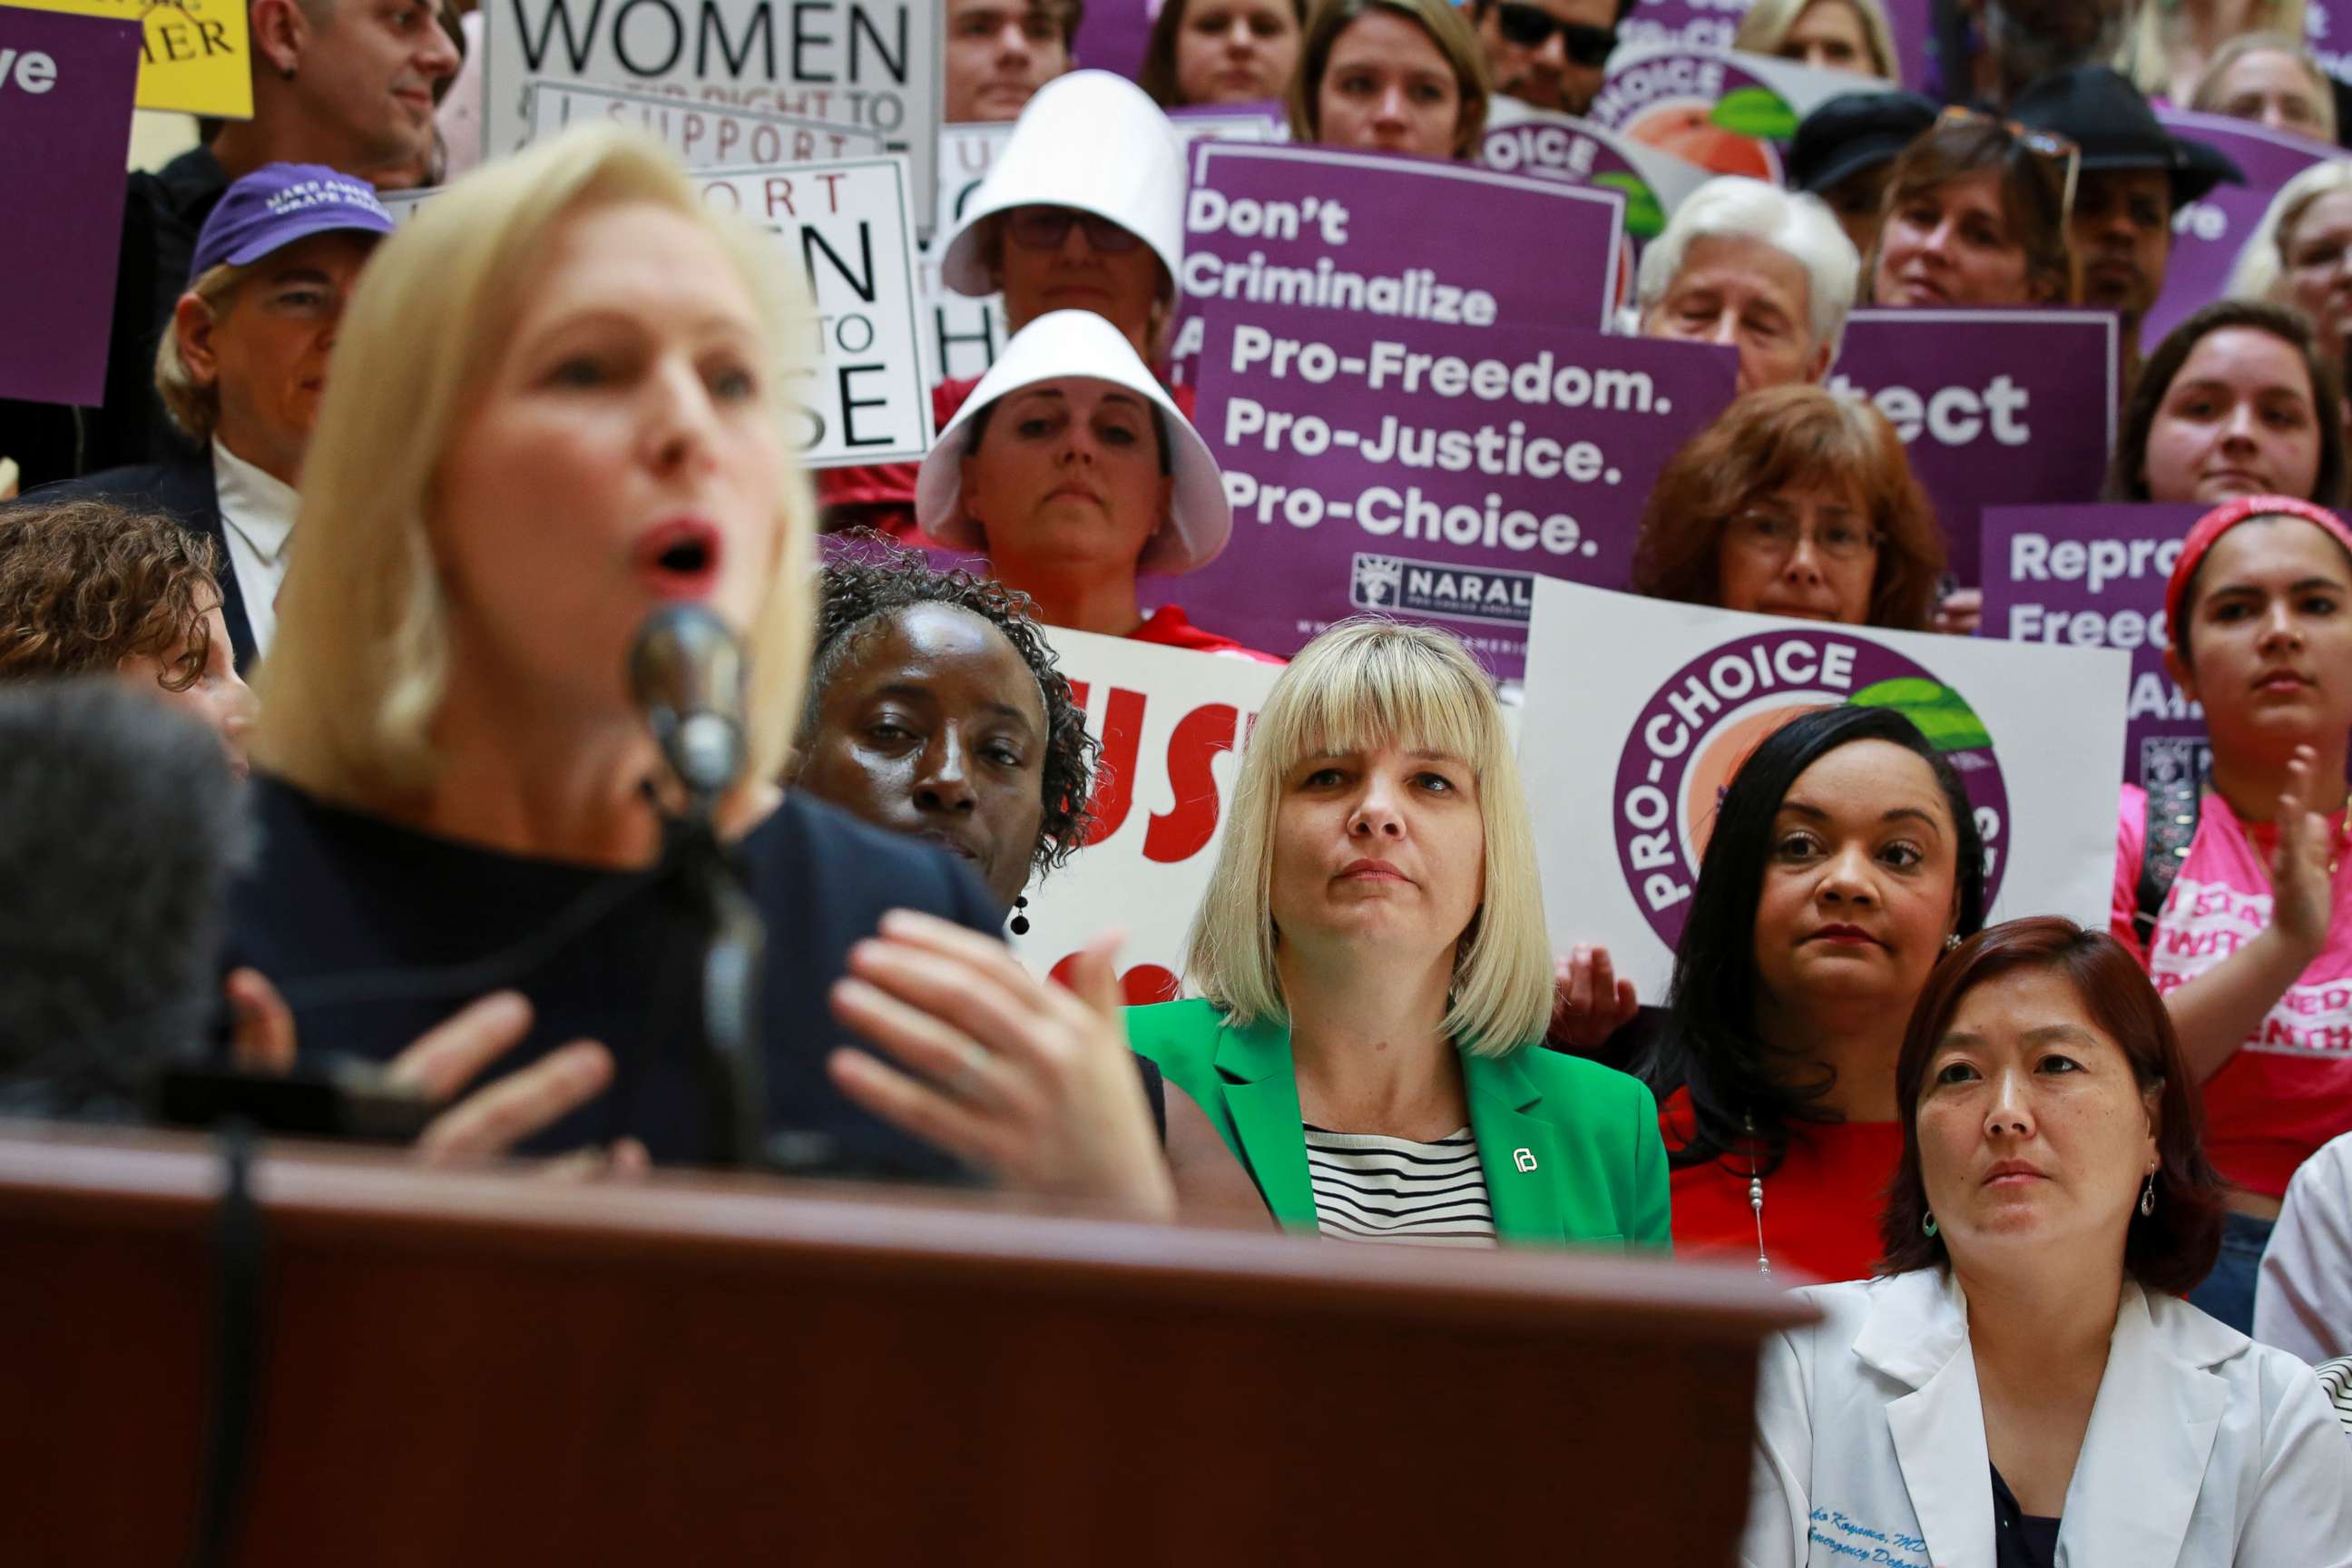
1927 1226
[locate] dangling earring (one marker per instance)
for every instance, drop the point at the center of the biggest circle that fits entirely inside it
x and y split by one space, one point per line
1927 1226
1952 941
1020 921
2148 1196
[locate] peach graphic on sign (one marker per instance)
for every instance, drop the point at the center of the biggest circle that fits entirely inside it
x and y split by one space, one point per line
1685 127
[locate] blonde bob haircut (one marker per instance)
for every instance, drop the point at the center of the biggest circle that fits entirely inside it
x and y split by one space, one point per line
194 405
359 662
1369 683
1769 23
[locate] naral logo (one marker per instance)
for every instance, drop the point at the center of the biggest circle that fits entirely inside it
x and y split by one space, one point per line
1427 588
1707 718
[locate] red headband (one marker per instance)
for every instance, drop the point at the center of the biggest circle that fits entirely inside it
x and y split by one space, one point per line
2220 521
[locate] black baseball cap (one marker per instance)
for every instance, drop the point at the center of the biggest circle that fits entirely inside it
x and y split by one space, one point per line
1853 131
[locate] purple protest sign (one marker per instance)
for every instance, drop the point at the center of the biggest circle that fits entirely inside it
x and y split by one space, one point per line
2327 25
1561 147
66 86
1728 113
1112 35
1712 23
1431 472
1995 407
1353 232
2094 577
2208 234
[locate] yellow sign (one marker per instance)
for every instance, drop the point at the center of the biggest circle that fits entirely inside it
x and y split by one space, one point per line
196 58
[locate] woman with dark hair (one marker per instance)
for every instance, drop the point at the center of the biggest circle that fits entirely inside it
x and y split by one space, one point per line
1976 214
1844 858
1222 51
1798 502
935 708
2238 887
2237 400
1390 76
2021 1384
89 587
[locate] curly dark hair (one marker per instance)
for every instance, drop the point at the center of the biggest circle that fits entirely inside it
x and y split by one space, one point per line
85 585
871 579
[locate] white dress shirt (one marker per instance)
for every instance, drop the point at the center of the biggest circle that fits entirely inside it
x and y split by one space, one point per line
2204 1451
2303 1298
257 520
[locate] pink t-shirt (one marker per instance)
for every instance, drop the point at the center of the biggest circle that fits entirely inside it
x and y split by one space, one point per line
2289 1089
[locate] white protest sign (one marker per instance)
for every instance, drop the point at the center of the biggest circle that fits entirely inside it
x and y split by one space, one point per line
862 395
1638 711
1171 724
869 63
703 136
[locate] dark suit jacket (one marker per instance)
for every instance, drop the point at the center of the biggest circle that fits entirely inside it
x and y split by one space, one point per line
184 491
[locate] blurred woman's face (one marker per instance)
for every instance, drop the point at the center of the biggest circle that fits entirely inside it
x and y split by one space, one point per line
1236 51
217 700
1829 35
1859 881
2319 268
2032 1130
934 726
626 454
1951 245
1809 551
1067 477
2238 420
1055 258
2272 88
1388 87
2270 638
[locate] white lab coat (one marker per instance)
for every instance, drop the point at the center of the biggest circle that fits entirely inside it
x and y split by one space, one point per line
2302 1300
2204 1448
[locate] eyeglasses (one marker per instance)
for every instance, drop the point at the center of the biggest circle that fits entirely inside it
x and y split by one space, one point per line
1045 228
1775 535
1531 27
2054 152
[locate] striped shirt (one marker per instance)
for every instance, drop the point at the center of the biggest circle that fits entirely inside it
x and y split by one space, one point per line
2336 1381
1370 1188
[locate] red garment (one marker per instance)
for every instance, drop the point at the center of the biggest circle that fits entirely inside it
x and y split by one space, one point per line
2288 1089
1167 626
885 492
1820 1207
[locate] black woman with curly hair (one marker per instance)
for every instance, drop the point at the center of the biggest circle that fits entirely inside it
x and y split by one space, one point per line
935 708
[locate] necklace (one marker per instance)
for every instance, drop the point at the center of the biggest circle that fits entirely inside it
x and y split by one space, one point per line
1756 1193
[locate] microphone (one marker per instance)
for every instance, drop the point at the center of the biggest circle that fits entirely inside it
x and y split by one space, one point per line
688 676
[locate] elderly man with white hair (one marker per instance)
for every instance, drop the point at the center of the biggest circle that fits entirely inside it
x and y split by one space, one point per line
1757 268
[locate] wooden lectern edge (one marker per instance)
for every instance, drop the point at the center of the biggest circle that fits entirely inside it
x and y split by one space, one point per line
311 1192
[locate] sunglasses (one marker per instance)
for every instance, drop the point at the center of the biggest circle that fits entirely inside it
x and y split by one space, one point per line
1045 228
2060 157
1531 27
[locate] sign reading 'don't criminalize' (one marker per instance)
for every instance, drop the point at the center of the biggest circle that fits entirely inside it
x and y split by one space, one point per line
703 136
868 63
1171 724
1431 473
195 56
66 83
860 395
1995 407
1640 712
1361 234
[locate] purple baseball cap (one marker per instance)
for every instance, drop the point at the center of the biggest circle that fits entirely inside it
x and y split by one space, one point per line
278 203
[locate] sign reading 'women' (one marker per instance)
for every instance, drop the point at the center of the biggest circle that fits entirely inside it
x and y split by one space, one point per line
1431 472
1358 233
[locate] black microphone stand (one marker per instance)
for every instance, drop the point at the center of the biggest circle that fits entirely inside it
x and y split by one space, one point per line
731 941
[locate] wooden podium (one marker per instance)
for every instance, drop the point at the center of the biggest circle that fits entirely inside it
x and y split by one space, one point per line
481 1368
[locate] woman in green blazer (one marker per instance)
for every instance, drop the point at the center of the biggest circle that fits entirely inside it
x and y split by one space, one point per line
1375 974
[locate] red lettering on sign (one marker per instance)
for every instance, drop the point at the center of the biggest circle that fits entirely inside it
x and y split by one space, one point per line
1185 830
1122 740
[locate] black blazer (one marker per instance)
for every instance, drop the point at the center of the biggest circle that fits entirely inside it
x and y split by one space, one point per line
184 491
362 924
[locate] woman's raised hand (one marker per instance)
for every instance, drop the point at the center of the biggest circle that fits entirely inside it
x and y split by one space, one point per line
1020 1077
2301 883
443 1061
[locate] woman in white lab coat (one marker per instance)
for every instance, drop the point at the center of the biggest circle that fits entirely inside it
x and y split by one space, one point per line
2021 1383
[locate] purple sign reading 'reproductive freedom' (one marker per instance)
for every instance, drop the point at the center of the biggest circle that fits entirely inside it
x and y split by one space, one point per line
1431 472
2208 234
66 86
1391 239
1995 407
